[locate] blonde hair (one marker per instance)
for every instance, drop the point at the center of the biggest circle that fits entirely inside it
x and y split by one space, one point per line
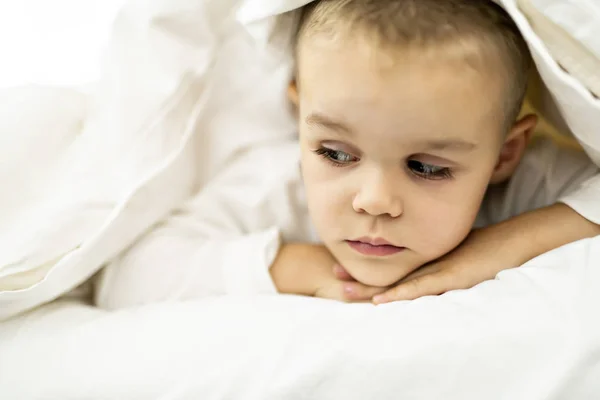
481 27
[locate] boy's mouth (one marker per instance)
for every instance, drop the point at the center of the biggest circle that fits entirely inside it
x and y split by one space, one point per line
374 247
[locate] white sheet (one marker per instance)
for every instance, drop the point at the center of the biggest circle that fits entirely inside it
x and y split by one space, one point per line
531 334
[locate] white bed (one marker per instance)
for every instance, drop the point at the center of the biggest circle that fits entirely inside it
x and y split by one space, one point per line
533 333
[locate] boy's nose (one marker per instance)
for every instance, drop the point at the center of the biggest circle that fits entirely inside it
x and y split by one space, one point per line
377 197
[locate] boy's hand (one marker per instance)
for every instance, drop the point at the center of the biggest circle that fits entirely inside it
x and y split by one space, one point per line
311 270
479 258
490 250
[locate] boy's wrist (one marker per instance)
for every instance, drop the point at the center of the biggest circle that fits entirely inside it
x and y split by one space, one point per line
299 267
285 272
531 234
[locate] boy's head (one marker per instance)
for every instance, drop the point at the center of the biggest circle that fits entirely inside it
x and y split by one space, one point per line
407 112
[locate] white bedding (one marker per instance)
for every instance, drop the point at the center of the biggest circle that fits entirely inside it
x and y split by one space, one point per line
64 40
531 334
569 29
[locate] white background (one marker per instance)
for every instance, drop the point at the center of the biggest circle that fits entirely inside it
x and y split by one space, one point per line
56 42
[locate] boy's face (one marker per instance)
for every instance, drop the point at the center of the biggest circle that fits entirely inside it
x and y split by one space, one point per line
396 149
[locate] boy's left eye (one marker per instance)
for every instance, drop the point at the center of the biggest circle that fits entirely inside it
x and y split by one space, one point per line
428 171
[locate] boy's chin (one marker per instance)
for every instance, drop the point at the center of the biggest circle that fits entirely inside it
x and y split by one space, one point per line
376 275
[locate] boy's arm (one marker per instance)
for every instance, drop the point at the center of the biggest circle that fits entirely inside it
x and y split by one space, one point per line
222 241
552 201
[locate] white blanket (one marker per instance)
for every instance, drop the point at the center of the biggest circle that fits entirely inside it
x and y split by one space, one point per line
532 334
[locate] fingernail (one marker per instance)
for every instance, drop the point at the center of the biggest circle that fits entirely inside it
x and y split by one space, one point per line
338 268
348 289
379 299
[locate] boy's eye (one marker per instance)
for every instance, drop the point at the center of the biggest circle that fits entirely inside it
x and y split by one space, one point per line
337 157
428 171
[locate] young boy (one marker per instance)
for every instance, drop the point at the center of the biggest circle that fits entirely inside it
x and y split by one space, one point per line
409 138
407 115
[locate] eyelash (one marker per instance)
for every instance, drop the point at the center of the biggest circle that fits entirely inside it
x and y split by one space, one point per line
330 156
441 173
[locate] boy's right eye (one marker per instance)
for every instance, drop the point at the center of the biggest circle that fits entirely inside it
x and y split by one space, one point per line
336 157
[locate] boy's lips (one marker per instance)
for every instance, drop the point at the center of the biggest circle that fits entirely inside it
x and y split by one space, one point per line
374 247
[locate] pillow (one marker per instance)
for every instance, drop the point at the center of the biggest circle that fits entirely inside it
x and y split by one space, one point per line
532 334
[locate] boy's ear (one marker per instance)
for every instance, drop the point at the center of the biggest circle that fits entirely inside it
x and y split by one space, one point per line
513 148
292 93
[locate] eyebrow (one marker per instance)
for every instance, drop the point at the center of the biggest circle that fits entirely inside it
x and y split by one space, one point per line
326 122
449 144
432 145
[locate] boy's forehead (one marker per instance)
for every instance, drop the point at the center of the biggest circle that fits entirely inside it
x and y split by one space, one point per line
343 50
404 87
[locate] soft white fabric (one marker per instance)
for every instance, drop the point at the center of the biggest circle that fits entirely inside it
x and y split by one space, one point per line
531 334
209 247
569 29
222 241
184 90
568 103
87 204
58 42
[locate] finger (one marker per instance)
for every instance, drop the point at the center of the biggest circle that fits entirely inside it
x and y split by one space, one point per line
341 273
355 291
426 285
